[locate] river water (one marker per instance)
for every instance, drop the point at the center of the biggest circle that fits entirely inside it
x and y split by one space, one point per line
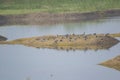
18 62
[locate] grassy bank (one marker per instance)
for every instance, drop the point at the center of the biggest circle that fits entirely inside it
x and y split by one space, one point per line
56 6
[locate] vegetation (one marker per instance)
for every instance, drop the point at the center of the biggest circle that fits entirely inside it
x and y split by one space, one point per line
56 6
115 35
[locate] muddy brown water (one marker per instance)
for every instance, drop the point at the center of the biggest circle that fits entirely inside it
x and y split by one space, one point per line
19 62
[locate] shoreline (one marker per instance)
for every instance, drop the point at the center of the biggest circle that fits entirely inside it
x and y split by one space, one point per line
55 18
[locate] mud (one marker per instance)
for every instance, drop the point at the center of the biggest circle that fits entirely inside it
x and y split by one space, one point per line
112 63
55 18
68 41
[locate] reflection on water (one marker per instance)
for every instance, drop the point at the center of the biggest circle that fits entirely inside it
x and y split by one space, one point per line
74 48
39 64
18 62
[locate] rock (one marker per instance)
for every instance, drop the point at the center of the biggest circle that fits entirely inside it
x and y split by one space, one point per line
2 38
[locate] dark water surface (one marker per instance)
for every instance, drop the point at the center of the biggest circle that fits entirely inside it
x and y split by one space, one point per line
18 62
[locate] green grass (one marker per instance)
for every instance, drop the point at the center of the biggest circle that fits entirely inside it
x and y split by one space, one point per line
56 6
